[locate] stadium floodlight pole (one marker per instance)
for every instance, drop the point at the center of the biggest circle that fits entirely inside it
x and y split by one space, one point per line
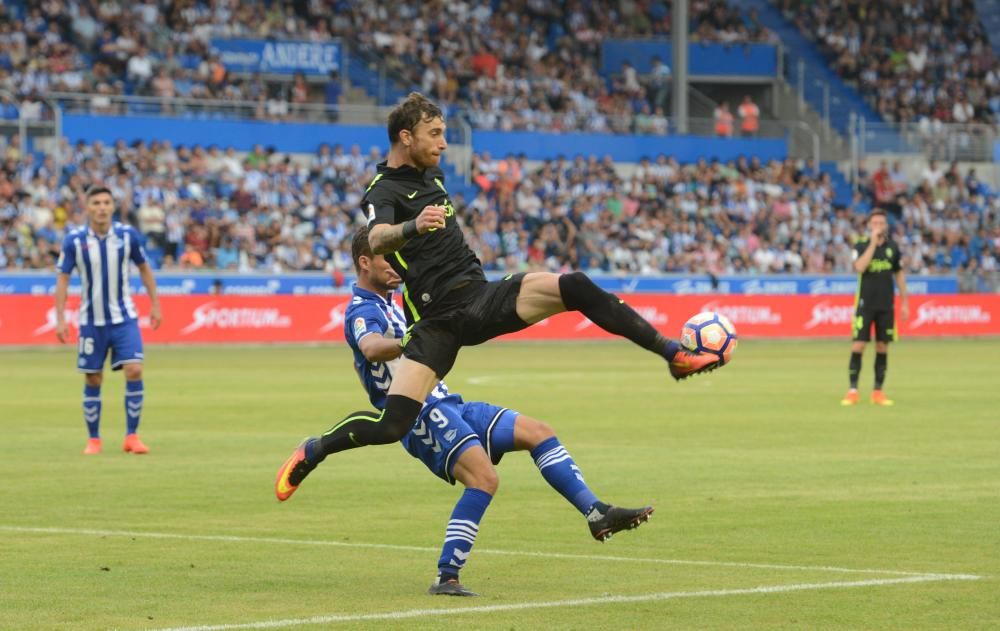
22 125
679 39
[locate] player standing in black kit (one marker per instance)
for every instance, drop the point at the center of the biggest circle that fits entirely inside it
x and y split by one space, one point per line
447 299
876 260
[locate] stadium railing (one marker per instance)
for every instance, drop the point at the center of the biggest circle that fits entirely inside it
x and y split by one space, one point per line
121 105
935 140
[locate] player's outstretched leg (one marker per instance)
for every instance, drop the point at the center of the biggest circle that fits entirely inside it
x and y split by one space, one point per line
580 293
356 430
615 519
562 473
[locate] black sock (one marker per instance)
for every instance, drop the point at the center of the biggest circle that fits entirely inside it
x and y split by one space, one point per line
370 428
881 362
607 311
855 369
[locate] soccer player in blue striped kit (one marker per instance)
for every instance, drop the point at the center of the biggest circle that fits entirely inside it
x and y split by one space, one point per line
102 252
458 440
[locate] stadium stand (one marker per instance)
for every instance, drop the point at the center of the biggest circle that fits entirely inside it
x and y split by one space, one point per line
523 65
934 66
519 65
213 208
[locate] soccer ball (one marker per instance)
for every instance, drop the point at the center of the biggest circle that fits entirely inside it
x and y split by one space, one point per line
710 332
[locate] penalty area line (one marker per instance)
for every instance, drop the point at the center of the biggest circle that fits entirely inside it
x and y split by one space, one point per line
600 600
90 532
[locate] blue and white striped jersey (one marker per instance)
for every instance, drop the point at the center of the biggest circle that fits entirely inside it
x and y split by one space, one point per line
372 314
103 263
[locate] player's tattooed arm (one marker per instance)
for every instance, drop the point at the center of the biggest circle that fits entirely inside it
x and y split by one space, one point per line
385 238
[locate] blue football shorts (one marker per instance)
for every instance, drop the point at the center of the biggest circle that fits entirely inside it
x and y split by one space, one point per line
123 340
445 429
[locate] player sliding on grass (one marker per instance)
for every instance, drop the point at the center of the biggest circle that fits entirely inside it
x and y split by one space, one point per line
448 302
458 440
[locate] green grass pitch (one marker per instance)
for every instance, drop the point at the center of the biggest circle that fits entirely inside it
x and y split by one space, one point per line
776 508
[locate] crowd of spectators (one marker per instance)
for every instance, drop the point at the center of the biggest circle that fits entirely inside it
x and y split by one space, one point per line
945 219
216 208
926 62
516 64
531 64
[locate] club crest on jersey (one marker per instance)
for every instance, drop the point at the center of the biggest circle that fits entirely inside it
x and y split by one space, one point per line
359 327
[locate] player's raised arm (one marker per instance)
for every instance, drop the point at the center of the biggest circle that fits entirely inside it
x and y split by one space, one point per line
864 258
385 238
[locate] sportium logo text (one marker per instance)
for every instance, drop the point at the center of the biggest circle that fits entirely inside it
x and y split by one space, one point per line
824 313
931 313
209 316
336 322
72 320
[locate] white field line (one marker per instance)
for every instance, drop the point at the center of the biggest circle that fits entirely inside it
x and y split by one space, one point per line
601 600
479 551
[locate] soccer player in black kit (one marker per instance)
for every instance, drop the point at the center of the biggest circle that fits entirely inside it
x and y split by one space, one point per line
876 260
447 299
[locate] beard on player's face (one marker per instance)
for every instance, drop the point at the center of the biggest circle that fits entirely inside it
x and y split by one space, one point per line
427 143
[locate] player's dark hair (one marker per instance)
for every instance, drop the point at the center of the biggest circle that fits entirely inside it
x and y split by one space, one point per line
877 212
360 247
97 190
417 108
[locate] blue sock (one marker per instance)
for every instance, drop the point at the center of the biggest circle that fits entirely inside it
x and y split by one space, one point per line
92 410
462 530
133 405
562 474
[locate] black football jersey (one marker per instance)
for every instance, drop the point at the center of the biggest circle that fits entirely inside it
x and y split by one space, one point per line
876 288
430 264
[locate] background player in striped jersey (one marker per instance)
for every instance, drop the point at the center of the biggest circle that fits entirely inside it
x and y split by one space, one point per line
102 252
458 440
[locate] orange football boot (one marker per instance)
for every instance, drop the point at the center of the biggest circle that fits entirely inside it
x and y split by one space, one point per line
879 398
687 364
295 469
851 398
134 445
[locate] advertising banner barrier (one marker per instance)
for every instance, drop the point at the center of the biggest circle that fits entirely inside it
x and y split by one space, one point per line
234 319
318 283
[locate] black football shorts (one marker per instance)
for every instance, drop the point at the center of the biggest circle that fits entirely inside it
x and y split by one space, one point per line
468 315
